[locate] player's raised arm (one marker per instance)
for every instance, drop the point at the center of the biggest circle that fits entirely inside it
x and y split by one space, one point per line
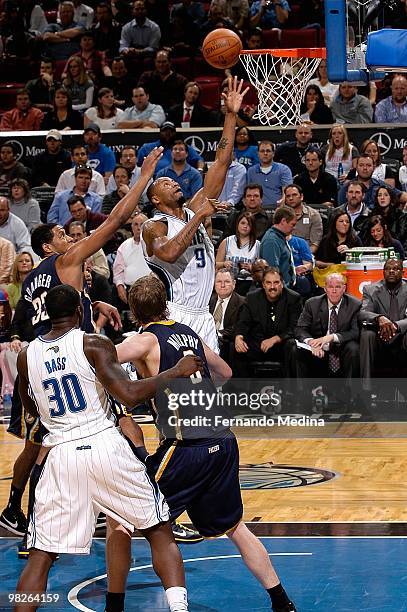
119 215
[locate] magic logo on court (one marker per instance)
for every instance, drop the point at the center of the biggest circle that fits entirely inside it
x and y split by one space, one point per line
271 476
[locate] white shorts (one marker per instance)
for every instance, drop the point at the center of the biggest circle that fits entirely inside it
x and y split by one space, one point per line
198 319
84 477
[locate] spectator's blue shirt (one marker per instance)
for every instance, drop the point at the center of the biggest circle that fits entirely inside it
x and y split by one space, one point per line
275 250
269 18
272 182
59 211
166 159
248 157
300 250
387 112
370 193
103 160
190 180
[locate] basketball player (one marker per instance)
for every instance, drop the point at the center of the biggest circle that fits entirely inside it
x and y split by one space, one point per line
197 468
62 262
67 378
175 242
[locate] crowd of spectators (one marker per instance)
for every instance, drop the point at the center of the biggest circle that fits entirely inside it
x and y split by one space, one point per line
295 208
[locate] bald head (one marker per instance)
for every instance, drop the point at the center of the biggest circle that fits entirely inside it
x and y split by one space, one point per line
4 210
399 89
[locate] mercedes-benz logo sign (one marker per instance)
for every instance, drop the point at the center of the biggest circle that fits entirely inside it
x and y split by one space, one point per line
196 143
383 141
17 146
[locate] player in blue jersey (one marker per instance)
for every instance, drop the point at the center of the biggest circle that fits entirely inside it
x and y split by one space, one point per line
197 464
62 262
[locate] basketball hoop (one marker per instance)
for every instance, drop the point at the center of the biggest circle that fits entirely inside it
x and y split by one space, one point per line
281 77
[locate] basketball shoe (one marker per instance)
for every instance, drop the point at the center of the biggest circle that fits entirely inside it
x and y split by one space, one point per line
13 520
185 534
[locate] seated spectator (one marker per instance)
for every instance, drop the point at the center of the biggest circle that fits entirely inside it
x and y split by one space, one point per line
318 186
328 89
190 113
382 171
7 257
49 165
364 173
340 154
62 117
253 204
78 84
339 238
121 176
265 325
34 18
129 264
350 107
225 305
23 117
188 178
394 108
12 228
258 268
292 153
101 158
121 82
246 147
355 206
106 114
42 89
272 176
106 31
378 235
328 324
237 11
313 107
216 18
385 205
194 10
274 247
233 187
97 261
143 114
238 252
141 36
303 263
128 159
383 322
10 168
122 11
23 205
94 61
20 46
60 211
79 157
309 222
164 85
183 32
22 266
83 14
403 171
62 38
269 15
168 135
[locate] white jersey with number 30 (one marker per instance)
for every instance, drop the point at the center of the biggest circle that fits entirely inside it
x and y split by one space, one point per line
189 280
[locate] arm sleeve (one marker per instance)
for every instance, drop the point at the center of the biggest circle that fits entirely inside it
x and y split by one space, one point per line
158 115
380 113
53 213
34 217
7 255
286 176
118 268
238 187
316 230
270 252
125 39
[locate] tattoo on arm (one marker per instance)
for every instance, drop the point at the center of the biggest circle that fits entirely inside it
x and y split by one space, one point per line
222 144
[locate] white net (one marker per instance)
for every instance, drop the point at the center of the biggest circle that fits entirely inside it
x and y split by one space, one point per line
281 83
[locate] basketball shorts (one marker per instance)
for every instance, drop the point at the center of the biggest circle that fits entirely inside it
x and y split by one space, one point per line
84 477
23 425
199 319
201 477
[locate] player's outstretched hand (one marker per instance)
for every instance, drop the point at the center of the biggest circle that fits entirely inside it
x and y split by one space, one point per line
234 97
110 312
150 162
188 365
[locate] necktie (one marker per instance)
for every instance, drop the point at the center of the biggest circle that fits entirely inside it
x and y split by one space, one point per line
333 360
187 115
393 309
217 315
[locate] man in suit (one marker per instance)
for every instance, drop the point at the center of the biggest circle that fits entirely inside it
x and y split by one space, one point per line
329 326
225 305
190 111
383 320
265 325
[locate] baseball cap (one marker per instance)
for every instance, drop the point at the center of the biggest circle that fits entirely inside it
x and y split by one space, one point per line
3 296
167 124
54 134
92 127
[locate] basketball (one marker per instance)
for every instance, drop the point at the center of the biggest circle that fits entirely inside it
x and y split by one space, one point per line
221 48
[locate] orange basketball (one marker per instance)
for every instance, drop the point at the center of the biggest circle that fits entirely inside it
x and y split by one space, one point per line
221 48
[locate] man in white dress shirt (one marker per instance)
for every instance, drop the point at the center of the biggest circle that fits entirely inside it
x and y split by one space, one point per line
79 156
224 305
130 264
143 114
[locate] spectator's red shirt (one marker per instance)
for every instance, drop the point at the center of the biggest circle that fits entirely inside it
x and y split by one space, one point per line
15 119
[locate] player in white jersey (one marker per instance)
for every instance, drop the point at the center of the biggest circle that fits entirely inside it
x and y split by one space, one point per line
175 242
68 378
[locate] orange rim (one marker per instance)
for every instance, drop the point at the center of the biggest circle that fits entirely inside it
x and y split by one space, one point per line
315 52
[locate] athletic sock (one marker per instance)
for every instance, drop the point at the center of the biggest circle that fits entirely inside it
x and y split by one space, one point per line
114 602
177 599
278 596
14 501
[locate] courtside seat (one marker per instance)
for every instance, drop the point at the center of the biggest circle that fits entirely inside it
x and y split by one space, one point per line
271 38
299 38
210 90
202 68
266 369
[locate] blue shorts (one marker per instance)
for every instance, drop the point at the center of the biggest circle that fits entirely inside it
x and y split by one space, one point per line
201 477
